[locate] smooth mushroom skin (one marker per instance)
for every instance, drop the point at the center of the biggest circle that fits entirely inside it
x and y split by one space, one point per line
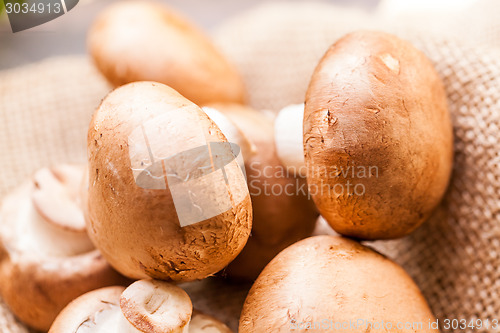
282 211
378 140
334 280
143 41
136 225
156 307
202 323
44 263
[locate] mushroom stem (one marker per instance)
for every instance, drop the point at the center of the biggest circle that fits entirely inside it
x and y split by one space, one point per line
288 134
47 214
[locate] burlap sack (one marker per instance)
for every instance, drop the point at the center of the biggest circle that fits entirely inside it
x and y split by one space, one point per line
455 257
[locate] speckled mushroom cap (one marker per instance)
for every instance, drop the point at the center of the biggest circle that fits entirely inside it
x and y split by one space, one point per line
378 137
167 199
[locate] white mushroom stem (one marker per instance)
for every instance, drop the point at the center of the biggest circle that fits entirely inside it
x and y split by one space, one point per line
45 216
323 228
288 136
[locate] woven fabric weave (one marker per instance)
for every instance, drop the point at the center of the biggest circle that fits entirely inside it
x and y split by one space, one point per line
45 109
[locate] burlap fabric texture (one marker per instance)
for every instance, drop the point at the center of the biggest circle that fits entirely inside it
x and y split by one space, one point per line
454 258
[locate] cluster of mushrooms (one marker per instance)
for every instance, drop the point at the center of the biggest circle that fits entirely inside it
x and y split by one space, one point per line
149 208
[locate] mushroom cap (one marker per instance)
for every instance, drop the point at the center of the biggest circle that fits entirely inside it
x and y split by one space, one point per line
143 41
183 221
331 280
85 312
279 219
47 260
153 306
378 136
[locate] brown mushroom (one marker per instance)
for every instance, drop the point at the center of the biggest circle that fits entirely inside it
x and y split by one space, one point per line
334 284
166 197
283 213
144 41
378 138
47 259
